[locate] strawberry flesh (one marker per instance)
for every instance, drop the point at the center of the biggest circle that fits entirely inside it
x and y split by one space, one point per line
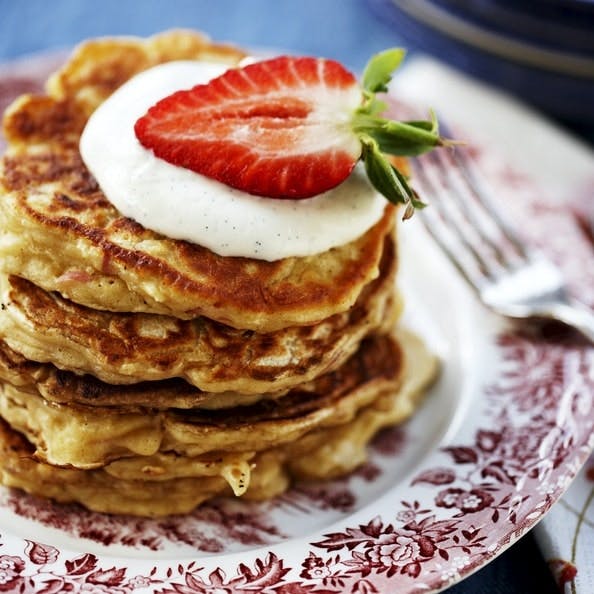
279 128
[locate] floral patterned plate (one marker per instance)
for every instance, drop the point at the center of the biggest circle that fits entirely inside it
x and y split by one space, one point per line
495 444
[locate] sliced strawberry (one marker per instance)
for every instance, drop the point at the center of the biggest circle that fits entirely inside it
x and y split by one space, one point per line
280 128
290 127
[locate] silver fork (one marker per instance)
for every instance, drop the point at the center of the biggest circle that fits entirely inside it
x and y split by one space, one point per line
509 277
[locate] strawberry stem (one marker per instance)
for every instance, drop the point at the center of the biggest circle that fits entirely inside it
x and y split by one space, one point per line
386 178
379 135
405 139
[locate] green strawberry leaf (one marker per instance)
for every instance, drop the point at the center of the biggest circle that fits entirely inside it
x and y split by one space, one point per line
379 69
379 135
386 179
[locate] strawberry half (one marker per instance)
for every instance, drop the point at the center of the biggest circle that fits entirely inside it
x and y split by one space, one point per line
289 127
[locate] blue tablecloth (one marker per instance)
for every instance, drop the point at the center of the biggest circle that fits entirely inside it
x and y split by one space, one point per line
343 29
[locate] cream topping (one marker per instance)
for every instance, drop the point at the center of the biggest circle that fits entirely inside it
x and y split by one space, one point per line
181 204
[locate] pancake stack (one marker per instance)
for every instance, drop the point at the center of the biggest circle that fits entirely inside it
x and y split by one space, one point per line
144 375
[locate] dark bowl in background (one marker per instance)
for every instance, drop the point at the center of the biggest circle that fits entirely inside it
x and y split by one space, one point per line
541 51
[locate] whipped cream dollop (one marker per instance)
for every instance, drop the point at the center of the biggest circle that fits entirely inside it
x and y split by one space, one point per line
181 204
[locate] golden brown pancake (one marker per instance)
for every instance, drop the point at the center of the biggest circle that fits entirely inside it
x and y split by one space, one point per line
162 484
61 233
85 84
85 437
141 374
96 489
129 348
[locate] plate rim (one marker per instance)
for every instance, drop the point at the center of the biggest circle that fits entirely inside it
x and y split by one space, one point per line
38 555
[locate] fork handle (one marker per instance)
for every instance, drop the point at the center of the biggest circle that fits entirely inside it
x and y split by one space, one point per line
578 316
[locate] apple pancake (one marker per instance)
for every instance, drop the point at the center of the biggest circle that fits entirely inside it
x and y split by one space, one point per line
167 483
144 374
122 348
82 436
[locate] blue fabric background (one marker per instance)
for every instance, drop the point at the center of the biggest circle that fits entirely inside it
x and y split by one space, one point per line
346 30
340 29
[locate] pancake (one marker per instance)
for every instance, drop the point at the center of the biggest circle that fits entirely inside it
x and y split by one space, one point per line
93 72
161 489
125 348
96 489
99 66
87 437
61 233
142 374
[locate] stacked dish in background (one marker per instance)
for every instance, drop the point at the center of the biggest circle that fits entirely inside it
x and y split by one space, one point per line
142 374
543 52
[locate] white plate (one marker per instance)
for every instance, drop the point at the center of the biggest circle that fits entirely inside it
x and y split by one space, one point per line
496 443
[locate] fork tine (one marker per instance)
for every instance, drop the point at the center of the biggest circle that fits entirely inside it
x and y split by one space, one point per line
463 198
484 197
467 210
446 232
471 273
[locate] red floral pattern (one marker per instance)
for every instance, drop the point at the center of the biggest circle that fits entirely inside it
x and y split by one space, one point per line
483 493
530 433
214 526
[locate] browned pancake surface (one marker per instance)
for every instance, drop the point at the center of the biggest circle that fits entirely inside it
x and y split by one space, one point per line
162 483
63 234
128 348
88 437
378 356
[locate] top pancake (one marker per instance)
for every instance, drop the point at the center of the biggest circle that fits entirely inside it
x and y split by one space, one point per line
61 233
